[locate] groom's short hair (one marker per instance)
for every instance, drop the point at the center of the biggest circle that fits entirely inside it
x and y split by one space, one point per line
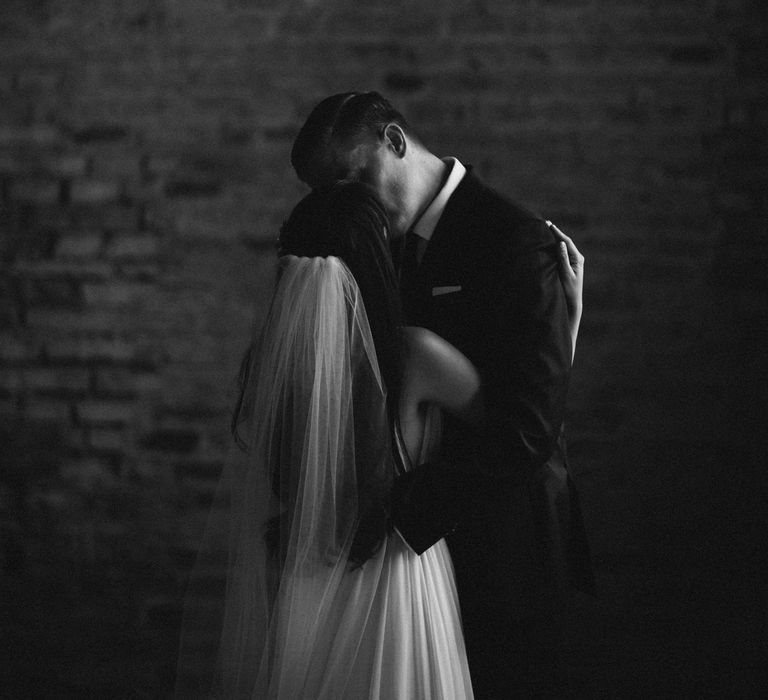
342 118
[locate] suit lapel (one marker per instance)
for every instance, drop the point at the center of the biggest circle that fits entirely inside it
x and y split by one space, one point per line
450 239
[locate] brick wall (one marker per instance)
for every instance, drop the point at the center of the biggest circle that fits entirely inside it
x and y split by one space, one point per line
144 172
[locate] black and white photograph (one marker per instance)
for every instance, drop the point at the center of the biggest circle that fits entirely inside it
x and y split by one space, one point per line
383 350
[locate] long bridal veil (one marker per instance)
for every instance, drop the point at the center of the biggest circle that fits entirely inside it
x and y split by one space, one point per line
272 608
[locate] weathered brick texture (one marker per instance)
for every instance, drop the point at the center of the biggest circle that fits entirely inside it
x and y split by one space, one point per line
144 172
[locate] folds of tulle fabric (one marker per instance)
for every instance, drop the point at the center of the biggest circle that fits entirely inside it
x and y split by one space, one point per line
274 607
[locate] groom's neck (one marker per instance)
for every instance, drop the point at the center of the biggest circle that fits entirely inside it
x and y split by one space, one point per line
431 174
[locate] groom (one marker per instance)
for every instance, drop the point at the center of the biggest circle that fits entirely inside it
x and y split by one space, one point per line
482 272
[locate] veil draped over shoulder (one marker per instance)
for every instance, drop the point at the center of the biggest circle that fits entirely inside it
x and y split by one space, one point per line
273 578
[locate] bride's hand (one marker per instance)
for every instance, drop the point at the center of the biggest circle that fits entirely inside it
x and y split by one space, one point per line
571 270
572 278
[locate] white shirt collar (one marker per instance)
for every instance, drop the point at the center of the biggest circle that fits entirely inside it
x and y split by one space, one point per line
425 226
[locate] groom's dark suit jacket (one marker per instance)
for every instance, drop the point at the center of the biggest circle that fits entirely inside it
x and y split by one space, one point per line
503 495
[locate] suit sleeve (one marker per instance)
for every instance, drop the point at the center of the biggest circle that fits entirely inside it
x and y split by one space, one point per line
525 367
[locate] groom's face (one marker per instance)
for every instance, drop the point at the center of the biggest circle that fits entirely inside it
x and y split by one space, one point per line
375 164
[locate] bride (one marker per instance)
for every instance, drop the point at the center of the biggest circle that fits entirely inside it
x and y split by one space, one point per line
316 597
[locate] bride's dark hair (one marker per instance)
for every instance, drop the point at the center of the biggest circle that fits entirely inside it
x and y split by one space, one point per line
349 222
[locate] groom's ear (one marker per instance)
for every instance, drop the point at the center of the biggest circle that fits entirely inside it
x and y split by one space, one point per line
395 140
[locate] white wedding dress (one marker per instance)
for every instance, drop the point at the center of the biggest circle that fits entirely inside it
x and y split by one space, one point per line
296 620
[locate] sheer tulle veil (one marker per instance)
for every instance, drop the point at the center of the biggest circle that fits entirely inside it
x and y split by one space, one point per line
269 576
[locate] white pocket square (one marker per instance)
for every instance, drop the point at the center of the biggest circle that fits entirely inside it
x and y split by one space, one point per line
438 291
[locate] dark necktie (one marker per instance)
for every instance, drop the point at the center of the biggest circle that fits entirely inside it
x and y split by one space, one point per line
409 262
409 265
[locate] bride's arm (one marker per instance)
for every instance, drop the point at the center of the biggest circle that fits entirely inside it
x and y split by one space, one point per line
572 278
436 372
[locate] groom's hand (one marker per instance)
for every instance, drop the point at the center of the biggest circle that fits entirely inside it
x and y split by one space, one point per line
423 509
429 501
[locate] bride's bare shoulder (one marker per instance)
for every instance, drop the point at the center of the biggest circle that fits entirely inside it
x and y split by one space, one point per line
422 342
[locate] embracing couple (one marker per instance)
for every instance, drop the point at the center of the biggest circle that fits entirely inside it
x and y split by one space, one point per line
402 524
